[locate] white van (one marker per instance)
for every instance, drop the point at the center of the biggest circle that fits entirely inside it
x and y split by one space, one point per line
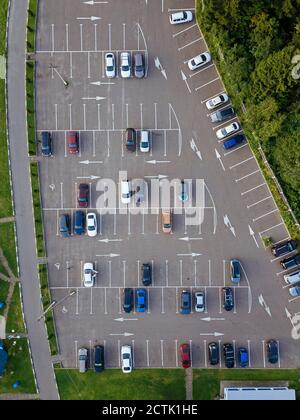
292 278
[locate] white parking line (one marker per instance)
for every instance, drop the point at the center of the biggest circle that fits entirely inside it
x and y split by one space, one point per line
205 353
220 353
99 117
152 271
234 351
206 300
211 97
176 352
249 352
115 223
247 176
209 273
265 215
56 116
220 301
241 163
206 84
191 352
127 116
81 37
105 302
129 223
108 143
109 36
236 149
133 352
234 298
77 301
177 303
273 227
253 189
279 360
94 144
84 117
139 272
184 30
155 116
141 117
162 351
113 115
195 273
76 353
52 39
294 299
181 274
124 274
143 222
162 301
202 70
258 202
147 352
224 272
190 43
91 303
109 272
95 37
264 352
119 353
120 305
167 273
89 64
124 36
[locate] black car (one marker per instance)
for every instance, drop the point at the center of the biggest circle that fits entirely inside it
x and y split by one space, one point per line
284 248
228 299
46 144
130 138
273 352
229 355
147 274
213 353
98 359
185 302
79 222
128 300
291 262
64 226
222 115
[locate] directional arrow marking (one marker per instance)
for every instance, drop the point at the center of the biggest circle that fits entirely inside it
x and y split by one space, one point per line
187 239
108 255
195 149
184 78
88 162
212 319
156 176
189 255
96 98
110 240
263 303
125 319
124 334
215 334
92 177
92 2
102 83
154 162
92 18
220 160
229 225
251 231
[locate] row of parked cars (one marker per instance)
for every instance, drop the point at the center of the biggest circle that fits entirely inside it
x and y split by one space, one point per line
292 279
127 65
99 360
82 224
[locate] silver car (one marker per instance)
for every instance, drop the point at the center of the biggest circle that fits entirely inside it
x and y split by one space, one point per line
199 302
82 359
139 68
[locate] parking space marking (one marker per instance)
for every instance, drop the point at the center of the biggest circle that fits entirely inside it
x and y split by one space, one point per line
139 271
190 43
195 273
76 353
176 352
265 215
162 351
241 163
202 70
105 302
209 272
113 115
184 30
152 270
120 306
247 176
234 351
129 223
181 274
273 227
147 352
84 117
99 116
162 301
90 354
177 304
94 144
91 303
141 117
95 37
294 299
211 97
259 202
81 37
115 223
220 301
264 352
124 36
234 298
124 274
148 300
253 189
77 301
205 354
108 143
191 351
89 64
206 84
224 272
167 272
109 272
249 352
237 149
109 36
56 115
119 353
143 222
133 359
220 353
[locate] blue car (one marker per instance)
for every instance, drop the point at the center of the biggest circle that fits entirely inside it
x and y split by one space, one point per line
186 303
235 268
141 300
243 357
234 141
79 222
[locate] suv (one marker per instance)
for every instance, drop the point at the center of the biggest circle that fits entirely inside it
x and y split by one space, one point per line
235 268
228 299
185 303
82 359
128 300
223 115
147 274
64 226
234 141
243 357
79 222
228 355
98 359
130 137
284 248
272 350
213 354
291 262
83 195
185 353
73 142
139 68
181 17
46 144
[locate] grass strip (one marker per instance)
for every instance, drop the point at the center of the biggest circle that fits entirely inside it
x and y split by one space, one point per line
36 199
15 322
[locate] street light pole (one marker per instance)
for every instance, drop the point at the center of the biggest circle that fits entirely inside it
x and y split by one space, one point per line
54 304
59 75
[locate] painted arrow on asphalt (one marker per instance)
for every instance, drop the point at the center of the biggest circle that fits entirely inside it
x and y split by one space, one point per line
108 255
126 319
92 18
154 162
92 177
195 149
124 334
92 2
160 67
184 78
102 83
187 239
215 334
251 231
96 98
264 305
110 240
220 160
88 162
189 255
212 319
229 225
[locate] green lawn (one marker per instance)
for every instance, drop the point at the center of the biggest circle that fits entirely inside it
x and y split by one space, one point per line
15 318
8 245
206 384
149 384
4 286
31 25
34 170
30 94
18 368
3 15
3 270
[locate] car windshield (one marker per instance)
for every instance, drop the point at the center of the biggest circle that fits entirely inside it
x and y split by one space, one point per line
110 68
126 195
125 67
91 228
87 271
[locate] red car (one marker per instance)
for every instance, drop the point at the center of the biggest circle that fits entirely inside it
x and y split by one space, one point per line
73 143
83 195
185 353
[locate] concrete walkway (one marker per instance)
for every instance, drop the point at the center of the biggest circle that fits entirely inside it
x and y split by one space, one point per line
22 200
189 384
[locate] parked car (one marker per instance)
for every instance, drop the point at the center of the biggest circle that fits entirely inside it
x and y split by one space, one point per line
89 274
217 101
110 65
130 138
126 358
91 222
243 357
46 144
83 195
98 358
291 262
128 300
125 65
228 299
185 354
147 274
167 221
181 17
73 142
234 141
140 300
199 61
227 131
292 278
79 222
145 141
185 302
184 192
229 355
214 354
64 226
295 291
139 67
125 192
82 359
272 351
235 268
199 302
284 248
222 115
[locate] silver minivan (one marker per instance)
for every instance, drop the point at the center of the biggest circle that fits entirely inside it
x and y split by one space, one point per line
82 359
292 278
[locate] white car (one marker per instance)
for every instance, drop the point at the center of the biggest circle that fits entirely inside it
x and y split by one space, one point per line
145 142
200 302
199 61
125 192
181 17
125 65
110 65
126 358
217 101
89 275
91 223
227 131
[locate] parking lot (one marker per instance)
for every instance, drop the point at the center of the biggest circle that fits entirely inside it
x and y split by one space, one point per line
236 211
